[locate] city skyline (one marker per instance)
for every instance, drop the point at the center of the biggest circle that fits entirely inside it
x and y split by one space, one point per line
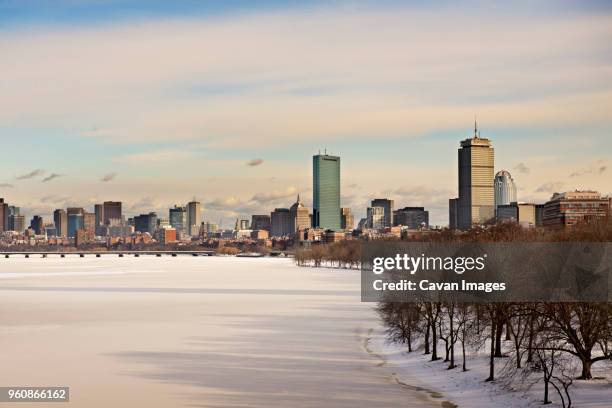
234 127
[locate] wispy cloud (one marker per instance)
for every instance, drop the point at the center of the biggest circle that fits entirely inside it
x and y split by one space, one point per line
254 162
263 198
108 177
6 185
522 168
30 175
550 187
597 168
386 82
52 176
154 156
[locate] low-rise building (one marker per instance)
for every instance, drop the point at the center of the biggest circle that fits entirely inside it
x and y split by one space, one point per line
575 207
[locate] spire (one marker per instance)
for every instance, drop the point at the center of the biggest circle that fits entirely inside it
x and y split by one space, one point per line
298 198
476 132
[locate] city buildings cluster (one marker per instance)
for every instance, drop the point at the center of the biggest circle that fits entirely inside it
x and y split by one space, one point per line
484 198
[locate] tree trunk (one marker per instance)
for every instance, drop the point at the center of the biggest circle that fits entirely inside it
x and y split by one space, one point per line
492 355
434 343
498 336
586 369
427 340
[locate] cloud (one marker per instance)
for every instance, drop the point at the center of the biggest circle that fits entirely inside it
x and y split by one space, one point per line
359 85
522 168
108 177
598 168
155 156
550 187
6 185
254 162
51 177
272 196
30 175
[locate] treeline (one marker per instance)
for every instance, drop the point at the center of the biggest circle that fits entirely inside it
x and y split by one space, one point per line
342 254
547 340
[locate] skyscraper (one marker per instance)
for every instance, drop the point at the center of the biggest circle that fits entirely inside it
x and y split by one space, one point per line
411 217
326 192
375 217
280 222
505 189
194 217
260 222
388 207
75 221
348 220
476 197
60 218
3 215
37 225
146 223
178 219
111 211
300 216
99 212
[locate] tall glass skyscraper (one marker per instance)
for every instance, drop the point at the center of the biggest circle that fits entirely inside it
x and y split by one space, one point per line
326 192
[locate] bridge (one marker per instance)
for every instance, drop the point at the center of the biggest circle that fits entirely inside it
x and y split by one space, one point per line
98 254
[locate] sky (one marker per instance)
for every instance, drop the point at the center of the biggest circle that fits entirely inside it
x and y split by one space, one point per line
155 103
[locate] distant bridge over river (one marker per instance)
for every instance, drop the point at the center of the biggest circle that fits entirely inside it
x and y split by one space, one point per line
120 254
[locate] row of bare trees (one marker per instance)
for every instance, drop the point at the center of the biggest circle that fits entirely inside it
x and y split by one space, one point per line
541 342
342 254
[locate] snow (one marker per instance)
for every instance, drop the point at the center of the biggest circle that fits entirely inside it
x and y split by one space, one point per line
469 389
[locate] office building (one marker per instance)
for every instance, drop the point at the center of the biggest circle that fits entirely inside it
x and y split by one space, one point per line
300 216
411 217
375 218
453 210
326 192
3 215
37 224
505 189
575 207
539 215
280 222
242 225
521 213
194 217
476 192
111 212
178 220
388 206
348 220
99 213
75 221
89 223
16 223
60 219
260 222
146 223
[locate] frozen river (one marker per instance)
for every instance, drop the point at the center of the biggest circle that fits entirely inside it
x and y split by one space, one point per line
192 331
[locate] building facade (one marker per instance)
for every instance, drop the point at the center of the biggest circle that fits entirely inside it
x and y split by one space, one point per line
575 207
75 221
178 219
280 222
260 222
521 213
194 217
476 204
388 206
411 217
60 219
375 218
348 219
146 223
505 189
300 216
326 192
111 211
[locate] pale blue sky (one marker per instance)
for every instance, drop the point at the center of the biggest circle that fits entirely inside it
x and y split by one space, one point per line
175 98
